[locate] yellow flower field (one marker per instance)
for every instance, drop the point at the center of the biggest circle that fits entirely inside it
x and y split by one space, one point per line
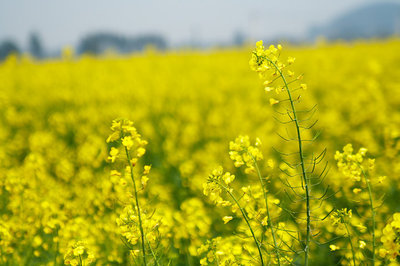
201 164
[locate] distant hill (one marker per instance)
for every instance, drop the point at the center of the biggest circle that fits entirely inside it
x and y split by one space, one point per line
97 43
376 20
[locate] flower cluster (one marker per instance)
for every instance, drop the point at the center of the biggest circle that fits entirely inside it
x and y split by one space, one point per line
191 223
216 182
263 60
139 230
5 241
342 216
391 239
78 254
243 153
128 223
223 252
124 131
350 164
270 68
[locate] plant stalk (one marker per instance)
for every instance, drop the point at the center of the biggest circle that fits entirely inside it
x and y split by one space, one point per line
137 205
246 219
266 206
371 203
301 155
351 244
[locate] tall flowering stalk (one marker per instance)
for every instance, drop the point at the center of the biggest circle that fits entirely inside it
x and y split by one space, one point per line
252 202
219 183
358 170
341 219
133 145
275 75
243 153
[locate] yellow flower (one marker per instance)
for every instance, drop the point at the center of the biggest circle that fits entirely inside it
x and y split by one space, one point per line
228 178
113 154
203 261
273 101
381 179
361 227
146 169
226 219
144 180
383 252
258 142
127 142
141 151
243 153
333 247
78 251
268 89
113 137
37 241
390 239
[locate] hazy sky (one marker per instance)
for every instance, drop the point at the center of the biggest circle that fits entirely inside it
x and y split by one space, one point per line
64 22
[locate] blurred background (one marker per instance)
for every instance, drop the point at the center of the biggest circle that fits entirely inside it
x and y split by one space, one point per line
44 27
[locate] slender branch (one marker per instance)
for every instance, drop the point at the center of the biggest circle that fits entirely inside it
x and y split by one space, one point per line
152 252
305 179
245 218
371 203
266 206
137 205
351 244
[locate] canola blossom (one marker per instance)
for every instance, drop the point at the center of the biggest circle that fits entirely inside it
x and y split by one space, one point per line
187 158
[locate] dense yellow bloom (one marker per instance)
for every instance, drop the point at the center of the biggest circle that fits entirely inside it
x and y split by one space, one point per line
125 131
127 142
213 189
129 226
243 153
78 254
55 187
269 66
391 239
350 164
224 251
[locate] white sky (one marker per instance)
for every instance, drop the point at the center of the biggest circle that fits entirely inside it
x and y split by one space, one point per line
62 22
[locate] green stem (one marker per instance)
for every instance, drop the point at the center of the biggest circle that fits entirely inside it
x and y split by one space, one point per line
246 219
137 205
266 206
301 155
56 253
371 203
152 252
351 244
